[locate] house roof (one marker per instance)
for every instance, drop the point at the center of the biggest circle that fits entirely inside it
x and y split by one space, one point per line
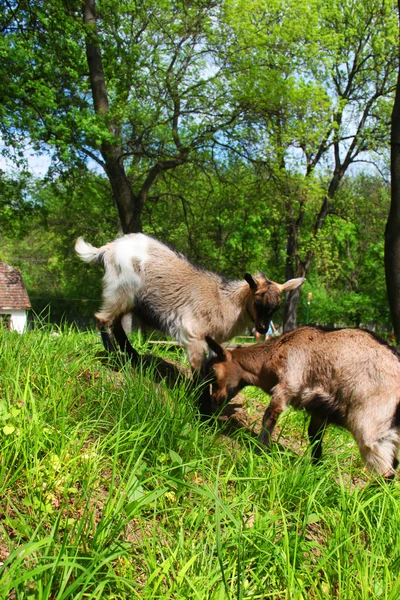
13 294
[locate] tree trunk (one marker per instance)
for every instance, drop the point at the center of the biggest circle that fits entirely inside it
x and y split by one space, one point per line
299 268
290 310
392 232
292 298
129 206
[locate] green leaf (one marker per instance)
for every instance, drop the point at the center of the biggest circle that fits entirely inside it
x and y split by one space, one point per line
312 518
144 500
8 429
175 457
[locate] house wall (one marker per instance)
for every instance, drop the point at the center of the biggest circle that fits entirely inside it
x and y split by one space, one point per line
18 319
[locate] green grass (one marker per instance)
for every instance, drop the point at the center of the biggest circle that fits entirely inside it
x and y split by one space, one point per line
111 487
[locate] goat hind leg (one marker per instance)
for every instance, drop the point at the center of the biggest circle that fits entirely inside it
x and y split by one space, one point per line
107 337
122 339
316 430
118 300
115 339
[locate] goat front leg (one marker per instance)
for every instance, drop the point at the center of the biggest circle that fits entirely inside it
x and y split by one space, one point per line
316 430
277 406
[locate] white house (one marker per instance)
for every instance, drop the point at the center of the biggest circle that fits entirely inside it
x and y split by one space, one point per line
14 301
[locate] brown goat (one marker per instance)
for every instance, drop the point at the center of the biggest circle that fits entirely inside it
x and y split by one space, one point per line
167 292
348 377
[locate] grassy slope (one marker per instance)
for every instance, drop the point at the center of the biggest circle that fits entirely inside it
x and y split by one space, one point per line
110 487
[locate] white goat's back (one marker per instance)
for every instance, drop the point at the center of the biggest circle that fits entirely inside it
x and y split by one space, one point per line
139 269
131 253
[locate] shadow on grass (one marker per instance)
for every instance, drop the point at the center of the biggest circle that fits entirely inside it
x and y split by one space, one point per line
232 418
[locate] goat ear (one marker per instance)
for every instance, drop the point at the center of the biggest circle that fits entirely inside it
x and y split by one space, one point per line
216 348
251 281
291 284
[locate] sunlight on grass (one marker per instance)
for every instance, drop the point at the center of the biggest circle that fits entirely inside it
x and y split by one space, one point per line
112 487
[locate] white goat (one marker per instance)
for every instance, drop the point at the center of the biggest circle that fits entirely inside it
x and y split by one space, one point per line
167 292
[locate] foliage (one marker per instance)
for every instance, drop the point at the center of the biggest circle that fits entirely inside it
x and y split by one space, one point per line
225 127
348 281
16 206
127 87
206 216
77 203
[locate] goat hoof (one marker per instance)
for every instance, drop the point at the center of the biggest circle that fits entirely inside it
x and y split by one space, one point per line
261 448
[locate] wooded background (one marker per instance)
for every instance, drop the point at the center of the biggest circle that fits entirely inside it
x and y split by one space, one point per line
249 134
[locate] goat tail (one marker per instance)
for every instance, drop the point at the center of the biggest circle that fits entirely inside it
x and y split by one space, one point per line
87 252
